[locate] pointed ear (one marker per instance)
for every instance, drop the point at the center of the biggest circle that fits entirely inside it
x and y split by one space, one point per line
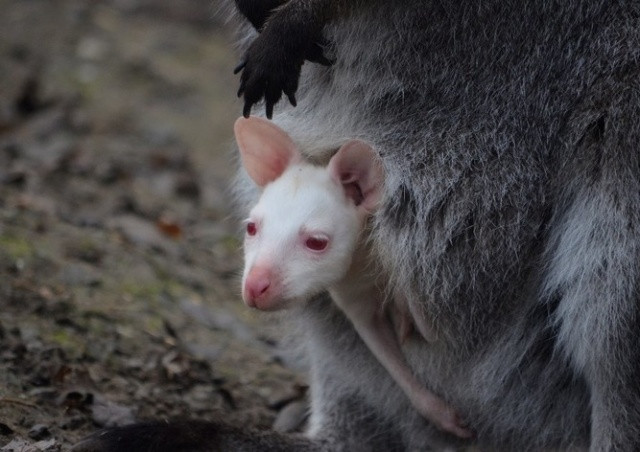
266 150
358 169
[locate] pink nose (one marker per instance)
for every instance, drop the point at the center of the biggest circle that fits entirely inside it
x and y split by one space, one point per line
257 284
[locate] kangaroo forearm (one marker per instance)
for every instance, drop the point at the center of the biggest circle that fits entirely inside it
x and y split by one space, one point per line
257 11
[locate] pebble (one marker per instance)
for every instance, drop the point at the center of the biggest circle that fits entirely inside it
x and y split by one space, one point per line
292 417
39 431
79 274
109 414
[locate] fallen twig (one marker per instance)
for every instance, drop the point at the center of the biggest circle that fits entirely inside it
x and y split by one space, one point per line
17 402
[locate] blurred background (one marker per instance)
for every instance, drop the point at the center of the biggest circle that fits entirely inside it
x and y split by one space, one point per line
119 254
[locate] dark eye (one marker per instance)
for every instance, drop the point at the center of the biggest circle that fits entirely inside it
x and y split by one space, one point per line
251 228
316 243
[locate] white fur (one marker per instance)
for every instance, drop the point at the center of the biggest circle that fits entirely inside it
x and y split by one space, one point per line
303 200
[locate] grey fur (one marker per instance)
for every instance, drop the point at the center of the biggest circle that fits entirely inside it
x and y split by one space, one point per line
510 134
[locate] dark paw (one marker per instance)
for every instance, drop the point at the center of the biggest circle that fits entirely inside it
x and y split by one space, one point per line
271 68
258 11
267 74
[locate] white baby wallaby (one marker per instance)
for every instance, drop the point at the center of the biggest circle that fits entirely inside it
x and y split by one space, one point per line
305 235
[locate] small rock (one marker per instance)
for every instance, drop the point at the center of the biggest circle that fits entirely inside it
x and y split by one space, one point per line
92 48
16 177
12 150
175 365
228 398
5 429
75 399
200 397
43 394
22 445
109 414
39 431
109 172
29 100
85 250
142 233
47 445
44 125
281 398
74 422
80 120
79 274
205 351
36 203
53 152
217 318
292 417
18 444
187 186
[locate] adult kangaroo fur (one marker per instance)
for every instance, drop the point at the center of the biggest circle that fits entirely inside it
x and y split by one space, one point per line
509 131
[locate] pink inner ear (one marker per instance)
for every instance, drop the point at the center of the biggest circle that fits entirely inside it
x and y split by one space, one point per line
358 169
265 149
351 187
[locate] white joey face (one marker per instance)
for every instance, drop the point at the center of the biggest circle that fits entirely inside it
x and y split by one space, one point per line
301 235
299 240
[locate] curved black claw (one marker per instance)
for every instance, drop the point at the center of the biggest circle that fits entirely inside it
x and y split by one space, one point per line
292 99
239 67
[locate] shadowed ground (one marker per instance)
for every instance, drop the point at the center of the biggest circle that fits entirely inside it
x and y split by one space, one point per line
119 259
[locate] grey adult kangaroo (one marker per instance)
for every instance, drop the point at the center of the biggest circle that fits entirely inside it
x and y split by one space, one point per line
509 132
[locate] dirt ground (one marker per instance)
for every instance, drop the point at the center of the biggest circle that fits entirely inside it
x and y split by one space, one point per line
119 256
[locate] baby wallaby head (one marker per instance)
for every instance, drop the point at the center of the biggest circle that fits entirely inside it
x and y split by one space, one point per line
302 233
